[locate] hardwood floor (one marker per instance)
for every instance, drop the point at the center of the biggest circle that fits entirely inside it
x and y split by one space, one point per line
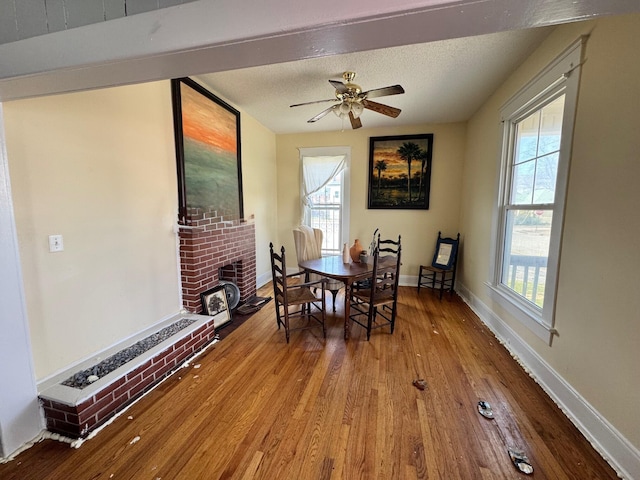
257 408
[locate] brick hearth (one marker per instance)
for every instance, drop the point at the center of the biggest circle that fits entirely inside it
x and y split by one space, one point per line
75 413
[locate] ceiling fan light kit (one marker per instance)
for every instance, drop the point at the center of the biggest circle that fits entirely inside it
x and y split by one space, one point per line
343 109
353 101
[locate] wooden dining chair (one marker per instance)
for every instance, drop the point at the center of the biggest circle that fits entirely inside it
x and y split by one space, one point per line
308 242
377 306
441 274
389 247
297 306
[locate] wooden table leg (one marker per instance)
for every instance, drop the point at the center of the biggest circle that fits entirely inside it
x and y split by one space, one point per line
347 307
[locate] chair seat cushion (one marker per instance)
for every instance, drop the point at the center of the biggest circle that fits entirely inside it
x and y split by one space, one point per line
435 269
380 298
299 295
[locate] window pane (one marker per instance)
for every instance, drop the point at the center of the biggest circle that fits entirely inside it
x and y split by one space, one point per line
527 138
535 164
551 127
522 187
526 250
546 173
325 215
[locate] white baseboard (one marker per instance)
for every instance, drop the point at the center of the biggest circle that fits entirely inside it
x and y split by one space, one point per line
408 280
608 442
263 279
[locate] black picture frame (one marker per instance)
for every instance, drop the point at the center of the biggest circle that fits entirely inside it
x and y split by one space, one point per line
391 159
445 254
208 151
214 304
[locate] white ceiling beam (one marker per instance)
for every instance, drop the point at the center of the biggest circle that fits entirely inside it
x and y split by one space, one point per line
206 36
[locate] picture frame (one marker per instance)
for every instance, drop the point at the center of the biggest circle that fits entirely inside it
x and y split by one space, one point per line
208 151
446 252
214 304
393 161
444 257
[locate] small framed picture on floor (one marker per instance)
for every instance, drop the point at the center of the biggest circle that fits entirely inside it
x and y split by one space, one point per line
214 304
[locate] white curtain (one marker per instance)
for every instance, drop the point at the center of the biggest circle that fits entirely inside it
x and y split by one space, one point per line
318 166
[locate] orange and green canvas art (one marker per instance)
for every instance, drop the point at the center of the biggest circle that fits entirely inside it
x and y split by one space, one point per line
210 152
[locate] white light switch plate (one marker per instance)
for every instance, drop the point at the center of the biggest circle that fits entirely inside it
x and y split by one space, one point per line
55 243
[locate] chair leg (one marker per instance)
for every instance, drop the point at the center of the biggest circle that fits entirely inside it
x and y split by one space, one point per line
394 309
278 319
372 313
286 325
441 285
324 315
453 281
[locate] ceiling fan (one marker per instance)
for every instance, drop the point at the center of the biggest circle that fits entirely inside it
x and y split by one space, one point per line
352 101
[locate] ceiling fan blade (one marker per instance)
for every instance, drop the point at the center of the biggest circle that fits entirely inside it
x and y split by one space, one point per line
382 92
355 122
338 85
380 108
317 101
320 115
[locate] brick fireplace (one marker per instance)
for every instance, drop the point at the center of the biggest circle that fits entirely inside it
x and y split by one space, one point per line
215 247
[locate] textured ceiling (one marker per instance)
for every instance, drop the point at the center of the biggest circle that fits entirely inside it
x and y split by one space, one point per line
444 81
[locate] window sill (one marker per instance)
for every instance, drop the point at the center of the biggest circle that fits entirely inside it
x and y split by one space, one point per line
527 317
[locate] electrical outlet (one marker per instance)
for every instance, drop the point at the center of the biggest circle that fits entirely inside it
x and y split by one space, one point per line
55 243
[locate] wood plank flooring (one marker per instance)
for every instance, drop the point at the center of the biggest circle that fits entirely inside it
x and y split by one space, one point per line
257 408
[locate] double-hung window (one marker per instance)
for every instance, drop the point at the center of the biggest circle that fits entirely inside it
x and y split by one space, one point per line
324 194
536 149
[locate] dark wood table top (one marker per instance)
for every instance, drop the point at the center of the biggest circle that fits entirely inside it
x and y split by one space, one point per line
333 267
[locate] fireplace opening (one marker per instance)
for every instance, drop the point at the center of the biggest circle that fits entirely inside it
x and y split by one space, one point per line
228 276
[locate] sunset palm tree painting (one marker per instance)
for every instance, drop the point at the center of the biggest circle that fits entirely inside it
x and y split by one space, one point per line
210 152
380 166
400 171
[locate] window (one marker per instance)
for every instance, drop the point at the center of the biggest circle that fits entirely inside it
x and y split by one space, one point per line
528 208
326 213
324 193
536 148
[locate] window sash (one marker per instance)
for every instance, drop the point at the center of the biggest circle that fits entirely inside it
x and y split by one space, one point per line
526 252
327 216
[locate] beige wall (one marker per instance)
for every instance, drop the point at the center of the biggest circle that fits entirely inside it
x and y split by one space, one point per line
419 228
598 307
260 196
99 168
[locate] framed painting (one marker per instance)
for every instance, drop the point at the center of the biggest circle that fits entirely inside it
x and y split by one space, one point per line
214 304
207 138
400 171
